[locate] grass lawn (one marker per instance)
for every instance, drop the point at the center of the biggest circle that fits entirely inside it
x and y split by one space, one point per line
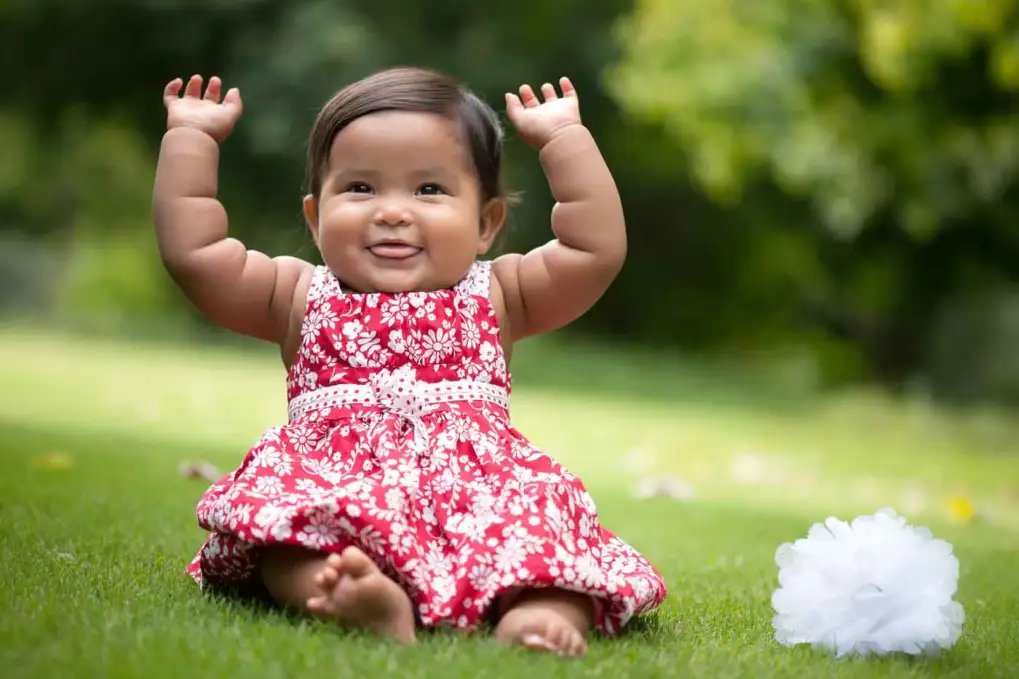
97 525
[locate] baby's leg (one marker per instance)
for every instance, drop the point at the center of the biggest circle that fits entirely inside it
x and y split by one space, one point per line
547 620
348 588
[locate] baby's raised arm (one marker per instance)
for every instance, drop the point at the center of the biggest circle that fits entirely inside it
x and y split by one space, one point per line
239 289
556 283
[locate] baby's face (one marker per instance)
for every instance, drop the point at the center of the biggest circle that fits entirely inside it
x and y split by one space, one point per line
400 209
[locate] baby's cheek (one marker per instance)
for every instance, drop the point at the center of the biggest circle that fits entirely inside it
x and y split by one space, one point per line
349 215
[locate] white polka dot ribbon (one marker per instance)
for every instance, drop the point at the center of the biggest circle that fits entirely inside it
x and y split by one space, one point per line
400 393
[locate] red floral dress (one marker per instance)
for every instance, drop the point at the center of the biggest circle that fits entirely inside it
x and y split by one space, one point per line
399 441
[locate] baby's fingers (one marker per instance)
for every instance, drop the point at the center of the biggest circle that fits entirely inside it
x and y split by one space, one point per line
527 96
233 98
212 92
194 87
172 90
513 104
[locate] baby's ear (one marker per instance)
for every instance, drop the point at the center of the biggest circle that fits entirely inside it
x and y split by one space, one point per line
493 219
311 215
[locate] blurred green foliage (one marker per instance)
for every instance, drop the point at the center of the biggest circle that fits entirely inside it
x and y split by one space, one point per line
859 106
894 124
825 183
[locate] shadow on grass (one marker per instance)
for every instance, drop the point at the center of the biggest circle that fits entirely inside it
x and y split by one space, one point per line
254 600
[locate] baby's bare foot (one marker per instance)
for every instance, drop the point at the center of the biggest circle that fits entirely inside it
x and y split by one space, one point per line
356 592
555 622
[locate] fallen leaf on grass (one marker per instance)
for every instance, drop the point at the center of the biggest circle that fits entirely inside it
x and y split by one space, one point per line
199 470
756 469
961 509
54 461
671 487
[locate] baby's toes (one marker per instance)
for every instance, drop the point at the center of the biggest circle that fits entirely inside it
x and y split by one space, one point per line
321 606
538 642
555 638
563 638
575 644
327 578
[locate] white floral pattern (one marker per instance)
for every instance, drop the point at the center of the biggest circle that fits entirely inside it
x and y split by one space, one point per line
415 461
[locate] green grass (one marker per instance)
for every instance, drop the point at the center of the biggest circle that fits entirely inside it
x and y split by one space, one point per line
91 569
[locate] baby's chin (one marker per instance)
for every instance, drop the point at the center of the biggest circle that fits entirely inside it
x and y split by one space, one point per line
389 284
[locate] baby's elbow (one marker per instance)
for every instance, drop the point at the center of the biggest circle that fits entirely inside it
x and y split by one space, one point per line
181 267
615 255
174 259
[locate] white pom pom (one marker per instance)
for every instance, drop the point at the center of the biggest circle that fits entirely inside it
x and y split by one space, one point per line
875 586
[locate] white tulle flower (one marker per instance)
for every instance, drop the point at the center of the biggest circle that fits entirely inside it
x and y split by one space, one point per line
873 586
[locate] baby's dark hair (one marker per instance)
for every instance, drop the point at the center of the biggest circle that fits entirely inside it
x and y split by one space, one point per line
413 90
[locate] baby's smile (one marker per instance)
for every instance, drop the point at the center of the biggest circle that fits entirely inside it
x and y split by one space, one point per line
394 249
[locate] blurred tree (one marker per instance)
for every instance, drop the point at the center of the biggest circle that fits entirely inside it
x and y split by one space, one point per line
895 121
862 106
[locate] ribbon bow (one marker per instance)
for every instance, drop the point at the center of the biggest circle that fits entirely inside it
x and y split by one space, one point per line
395 392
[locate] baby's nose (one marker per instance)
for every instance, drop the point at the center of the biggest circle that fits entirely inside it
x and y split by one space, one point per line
393 212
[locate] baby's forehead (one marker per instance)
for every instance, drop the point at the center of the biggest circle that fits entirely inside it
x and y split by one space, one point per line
403 126
397 139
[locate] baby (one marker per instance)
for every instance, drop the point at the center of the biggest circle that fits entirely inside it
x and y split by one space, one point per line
399 495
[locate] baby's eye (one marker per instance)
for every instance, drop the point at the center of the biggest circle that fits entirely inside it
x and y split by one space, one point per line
358 187
431 190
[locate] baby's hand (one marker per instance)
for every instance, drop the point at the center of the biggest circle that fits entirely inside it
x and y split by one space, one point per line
538 123
202 113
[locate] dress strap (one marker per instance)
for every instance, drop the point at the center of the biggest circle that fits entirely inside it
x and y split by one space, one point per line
323 284
478 280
